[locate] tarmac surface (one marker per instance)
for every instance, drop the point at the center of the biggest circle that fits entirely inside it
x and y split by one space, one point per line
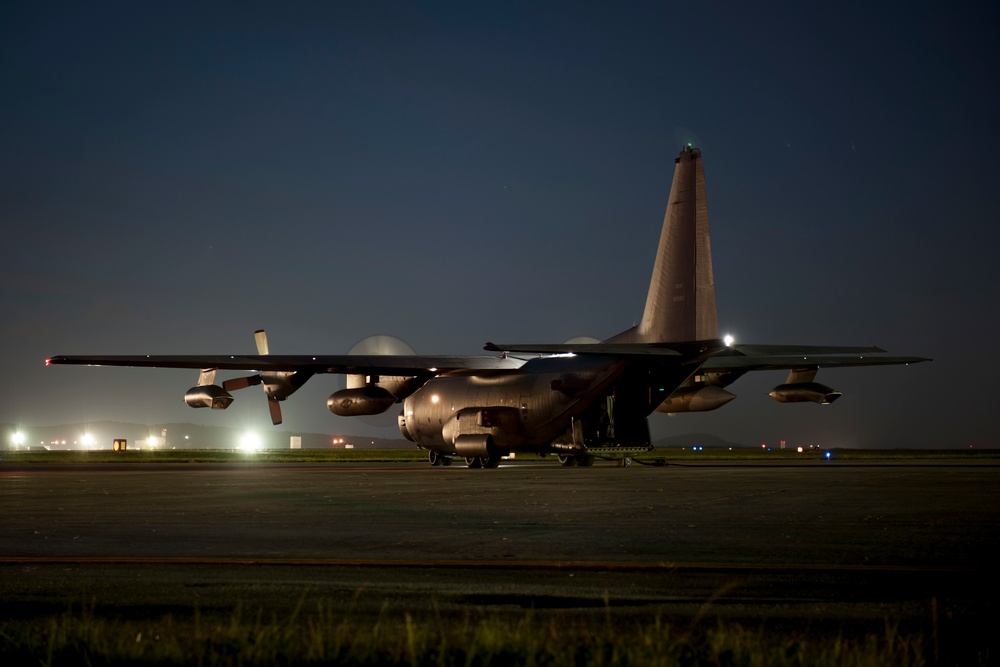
818 546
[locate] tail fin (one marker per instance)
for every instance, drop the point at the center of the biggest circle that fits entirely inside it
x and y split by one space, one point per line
680 305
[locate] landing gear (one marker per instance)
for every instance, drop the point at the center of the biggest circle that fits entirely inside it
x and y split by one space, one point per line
582 460
491 461
627 462
438 459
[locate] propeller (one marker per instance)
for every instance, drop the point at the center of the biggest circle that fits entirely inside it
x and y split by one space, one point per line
582 340
378 345
241 383
260 337
278 385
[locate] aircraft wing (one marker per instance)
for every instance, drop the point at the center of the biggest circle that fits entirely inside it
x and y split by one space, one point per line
715 355
352 364
770 362
747 357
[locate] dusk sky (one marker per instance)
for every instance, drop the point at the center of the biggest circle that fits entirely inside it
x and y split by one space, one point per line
175 175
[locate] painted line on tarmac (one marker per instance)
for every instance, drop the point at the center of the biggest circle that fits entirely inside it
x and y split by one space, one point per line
593 566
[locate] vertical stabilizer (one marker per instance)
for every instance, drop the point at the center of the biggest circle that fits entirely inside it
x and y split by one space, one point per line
680 305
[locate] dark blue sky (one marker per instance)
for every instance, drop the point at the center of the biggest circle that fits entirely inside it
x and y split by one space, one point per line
174 176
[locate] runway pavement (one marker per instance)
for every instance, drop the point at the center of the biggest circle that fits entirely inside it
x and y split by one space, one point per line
815 545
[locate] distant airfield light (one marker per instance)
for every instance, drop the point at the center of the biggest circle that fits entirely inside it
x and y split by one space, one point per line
800 450
17 438
87 440
151 441
249 442
729 340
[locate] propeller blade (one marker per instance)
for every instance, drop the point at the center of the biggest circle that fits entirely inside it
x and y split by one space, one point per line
260 337
377 345
241 383
274 407
206 377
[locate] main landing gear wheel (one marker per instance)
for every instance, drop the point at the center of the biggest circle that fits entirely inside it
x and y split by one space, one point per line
567 460
584 460
436 459
491 461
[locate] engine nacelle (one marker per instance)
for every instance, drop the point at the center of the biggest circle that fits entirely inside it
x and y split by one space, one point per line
368 400
801 392
399 386
208 396
473 444
696 399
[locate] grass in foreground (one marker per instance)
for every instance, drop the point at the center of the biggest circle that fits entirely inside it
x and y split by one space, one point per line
330 637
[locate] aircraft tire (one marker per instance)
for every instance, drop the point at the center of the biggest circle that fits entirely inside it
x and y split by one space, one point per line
491 461
434 458
474 461
446 460
567 460
583 460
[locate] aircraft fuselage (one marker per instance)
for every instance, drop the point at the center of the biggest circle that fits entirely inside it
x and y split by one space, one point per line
524 409
561 403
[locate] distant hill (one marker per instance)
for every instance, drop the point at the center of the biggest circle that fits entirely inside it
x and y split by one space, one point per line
184 436
697 439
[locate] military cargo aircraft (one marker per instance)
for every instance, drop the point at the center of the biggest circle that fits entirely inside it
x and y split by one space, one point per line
576 400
